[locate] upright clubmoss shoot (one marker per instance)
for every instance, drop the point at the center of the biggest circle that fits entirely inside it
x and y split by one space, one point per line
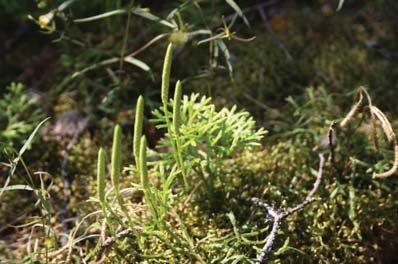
166 73
150 199
165 96
101 176
116 158
177 107
143 165
176 122
139 116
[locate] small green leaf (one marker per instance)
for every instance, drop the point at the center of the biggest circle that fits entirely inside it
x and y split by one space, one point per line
140 64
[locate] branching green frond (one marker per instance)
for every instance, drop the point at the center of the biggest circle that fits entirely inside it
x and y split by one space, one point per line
203 129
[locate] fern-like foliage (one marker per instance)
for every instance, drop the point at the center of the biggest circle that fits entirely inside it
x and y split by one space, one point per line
207 135
19 115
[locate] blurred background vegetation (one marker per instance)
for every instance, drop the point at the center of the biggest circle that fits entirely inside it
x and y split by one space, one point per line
68 64
78 61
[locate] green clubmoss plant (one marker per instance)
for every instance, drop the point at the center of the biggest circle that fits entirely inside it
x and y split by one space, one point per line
116 159
165 99
206 136
139 116
176 107
176 130
149 197
166 74
101 177
116 169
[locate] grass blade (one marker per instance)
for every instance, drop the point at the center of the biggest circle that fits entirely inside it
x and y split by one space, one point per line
100 16
145 14
16 187
25 146
227 55
95 66
140 64
28 142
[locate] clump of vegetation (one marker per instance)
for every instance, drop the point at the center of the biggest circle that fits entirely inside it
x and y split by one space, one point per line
197 140
190 201
19 114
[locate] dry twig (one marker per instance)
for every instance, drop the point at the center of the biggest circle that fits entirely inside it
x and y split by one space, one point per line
376 115
352 112
279 215
111 240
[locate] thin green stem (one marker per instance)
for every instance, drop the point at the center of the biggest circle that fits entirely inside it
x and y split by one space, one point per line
145 180
125 38
176 129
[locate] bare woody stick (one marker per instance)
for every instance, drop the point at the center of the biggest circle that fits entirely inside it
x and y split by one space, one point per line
279 215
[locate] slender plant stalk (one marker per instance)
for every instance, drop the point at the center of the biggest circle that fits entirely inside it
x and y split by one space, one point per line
116 165
385 124
176 121
145 180
166 83
139 116
101 186
143 165
101 177
394 167
372 116
176 108
115 174
166 73
126 34
116 156
352 112
165 96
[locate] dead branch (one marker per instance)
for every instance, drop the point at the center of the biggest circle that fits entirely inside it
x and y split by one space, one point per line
111 240
279 215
